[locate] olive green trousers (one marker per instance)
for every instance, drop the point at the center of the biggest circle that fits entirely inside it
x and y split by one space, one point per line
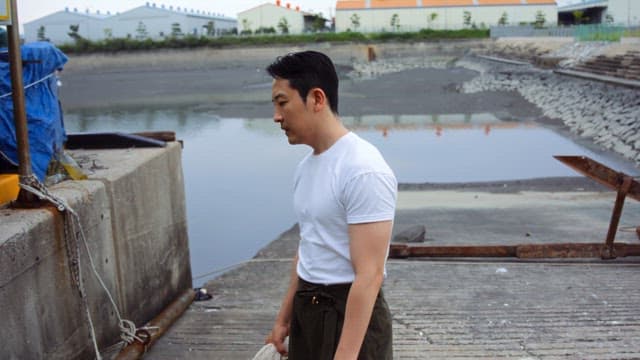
316 324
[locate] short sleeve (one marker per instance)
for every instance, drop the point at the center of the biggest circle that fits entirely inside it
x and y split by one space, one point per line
370 197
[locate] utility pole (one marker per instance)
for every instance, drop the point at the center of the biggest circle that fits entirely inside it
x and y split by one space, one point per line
19 111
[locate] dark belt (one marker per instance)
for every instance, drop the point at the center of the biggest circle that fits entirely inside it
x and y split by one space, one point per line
319 294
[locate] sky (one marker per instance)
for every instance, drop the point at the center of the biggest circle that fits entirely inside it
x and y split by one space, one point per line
29 10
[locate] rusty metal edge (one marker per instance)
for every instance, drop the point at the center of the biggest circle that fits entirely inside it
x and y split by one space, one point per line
163 321
522 251
600 173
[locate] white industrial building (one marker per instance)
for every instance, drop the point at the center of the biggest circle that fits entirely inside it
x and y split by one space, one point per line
56 26
270 15
618 12
413 15
148 21
624 12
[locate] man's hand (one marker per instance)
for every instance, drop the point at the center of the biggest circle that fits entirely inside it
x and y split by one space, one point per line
277 336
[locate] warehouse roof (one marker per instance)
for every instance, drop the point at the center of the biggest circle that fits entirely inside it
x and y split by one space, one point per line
382 4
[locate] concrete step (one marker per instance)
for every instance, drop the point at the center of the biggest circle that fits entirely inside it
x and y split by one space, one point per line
600 68
605 63
592 71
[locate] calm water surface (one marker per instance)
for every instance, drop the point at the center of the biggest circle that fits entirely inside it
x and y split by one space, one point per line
238 172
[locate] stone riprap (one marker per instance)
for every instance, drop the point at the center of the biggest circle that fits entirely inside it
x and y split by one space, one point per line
578 52
605 113
368 70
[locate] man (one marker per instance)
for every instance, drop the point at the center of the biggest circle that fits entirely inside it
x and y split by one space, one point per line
344 199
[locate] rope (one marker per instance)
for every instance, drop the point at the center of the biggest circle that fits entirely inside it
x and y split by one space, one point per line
73 230
628 228
229 267
30 85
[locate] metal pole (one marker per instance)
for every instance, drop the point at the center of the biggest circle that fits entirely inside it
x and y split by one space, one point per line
608 251
163 322
19 112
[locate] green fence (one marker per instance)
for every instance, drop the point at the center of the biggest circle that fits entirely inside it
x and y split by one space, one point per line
599 32
591 32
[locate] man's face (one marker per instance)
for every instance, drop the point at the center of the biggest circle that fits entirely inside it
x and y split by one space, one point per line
291 112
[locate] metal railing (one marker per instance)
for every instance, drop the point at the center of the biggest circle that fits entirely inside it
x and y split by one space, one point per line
590 32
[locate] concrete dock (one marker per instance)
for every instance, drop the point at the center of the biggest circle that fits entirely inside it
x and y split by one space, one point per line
458 308
131 230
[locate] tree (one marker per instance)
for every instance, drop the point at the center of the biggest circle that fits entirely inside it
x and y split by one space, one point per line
108 33
540 20
577 16
608 19
141 31
355 21
41 34
73 32
3 38
176 31
317 24
466 17
210 29
432 17
265 30
395 22
283 25
504 20
246 27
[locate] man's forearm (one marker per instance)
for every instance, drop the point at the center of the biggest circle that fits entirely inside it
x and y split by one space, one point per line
360 302
283 320
286 308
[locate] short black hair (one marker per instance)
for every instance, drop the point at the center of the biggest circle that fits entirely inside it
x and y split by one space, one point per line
306 70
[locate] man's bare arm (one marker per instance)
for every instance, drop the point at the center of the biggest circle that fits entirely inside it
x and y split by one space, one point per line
368 245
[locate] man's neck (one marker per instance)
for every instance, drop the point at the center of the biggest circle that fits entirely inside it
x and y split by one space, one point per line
329 133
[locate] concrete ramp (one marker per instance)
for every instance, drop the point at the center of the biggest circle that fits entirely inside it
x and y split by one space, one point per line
441 310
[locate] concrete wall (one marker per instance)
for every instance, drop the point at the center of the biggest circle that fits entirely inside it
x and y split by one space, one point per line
452 17
133 214
269 15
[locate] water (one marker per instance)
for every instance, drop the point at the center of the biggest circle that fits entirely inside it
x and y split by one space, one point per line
238 172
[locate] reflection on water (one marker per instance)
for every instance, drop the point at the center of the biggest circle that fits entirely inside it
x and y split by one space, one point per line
238 172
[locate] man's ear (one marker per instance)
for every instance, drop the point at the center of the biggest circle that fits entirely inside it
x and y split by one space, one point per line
318 99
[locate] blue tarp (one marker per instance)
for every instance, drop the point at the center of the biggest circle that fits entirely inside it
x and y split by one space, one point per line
44 113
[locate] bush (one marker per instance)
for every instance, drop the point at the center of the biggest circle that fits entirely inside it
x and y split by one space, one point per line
264 37
4 41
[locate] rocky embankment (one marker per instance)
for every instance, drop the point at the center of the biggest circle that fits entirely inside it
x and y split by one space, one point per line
606 114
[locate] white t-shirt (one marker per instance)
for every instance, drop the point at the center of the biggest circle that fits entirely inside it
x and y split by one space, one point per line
349 183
